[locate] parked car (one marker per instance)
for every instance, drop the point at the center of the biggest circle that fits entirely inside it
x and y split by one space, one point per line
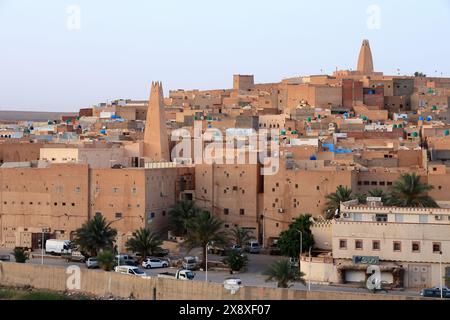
253 247
5 257
179 275
92 263
129 270
233 281
124 257
436 292
57 247
275 250
154 263
190 263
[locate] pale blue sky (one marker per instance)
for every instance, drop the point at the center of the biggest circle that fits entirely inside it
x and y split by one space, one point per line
123 45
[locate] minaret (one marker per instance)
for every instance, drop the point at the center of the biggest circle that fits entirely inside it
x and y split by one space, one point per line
365 61
156 144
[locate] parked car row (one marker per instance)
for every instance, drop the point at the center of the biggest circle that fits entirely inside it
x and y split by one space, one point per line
436 292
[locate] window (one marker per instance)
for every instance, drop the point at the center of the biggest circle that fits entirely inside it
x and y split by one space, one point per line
115 189
381 217
77 189
382 183
415 246
241 212
366 183
226 211
118 215
397 246
376 245
389 183
436 247
374 183
359 183
358 244
342 244
73 204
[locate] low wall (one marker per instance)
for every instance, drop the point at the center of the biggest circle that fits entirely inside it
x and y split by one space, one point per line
102 283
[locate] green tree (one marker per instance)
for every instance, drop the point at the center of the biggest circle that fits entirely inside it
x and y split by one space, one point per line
180 214
289 241
342 194
20 255
106 260
241 236
203 229
362 197
145 243
235 261
409 191
95 235
284 274
378 193
419 74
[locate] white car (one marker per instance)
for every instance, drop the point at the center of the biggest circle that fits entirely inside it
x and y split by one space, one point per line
233 281
150 263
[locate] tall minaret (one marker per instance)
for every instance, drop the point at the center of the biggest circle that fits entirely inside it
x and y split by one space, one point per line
156 144
365 61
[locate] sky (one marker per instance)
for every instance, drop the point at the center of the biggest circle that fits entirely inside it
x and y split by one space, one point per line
65 55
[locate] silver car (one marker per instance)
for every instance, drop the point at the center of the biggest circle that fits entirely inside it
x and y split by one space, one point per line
92 263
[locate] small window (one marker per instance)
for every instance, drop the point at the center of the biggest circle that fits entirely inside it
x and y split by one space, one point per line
415 246
358 244
376 245
118 215
397 246
226 211
241 212
381 217
342 244
436 247
389 183
366 183
374 183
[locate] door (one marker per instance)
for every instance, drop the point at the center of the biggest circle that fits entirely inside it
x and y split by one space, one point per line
419 276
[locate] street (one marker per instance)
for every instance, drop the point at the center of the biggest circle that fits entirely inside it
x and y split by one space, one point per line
253 276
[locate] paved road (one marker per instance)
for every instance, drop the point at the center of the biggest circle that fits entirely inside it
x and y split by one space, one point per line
252 277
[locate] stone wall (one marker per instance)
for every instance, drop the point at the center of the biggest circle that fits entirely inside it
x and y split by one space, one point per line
101 283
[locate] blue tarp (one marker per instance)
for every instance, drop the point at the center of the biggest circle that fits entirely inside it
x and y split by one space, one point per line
331 148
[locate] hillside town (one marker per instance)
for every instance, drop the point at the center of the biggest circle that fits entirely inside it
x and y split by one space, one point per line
357 161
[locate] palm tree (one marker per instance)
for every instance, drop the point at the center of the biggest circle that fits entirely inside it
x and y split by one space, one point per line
378 193
95 235
145 243
409 191
283 272
241 236
334 200
180 214
106 260
203 229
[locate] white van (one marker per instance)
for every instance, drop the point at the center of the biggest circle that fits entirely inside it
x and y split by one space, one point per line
131 271
57 247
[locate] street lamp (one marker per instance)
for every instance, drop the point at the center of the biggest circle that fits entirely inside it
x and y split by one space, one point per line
309 278
45 229
440 273
301 250
118 251
206 263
